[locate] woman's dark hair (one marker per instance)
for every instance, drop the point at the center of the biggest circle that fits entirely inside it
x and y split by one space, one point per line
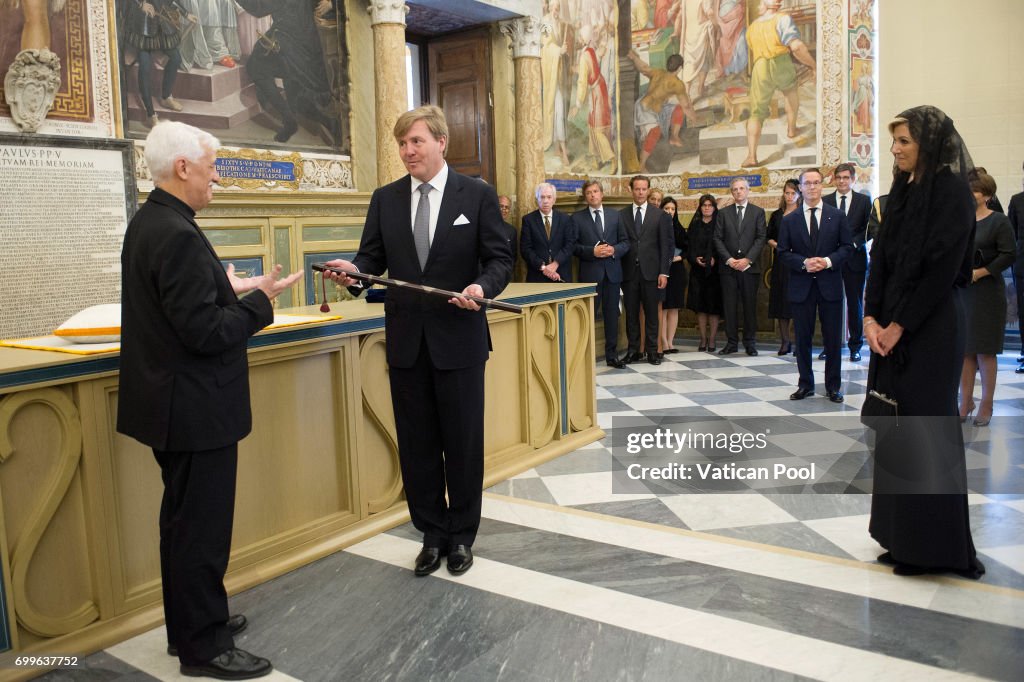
698 216
983 183
669 200
791 183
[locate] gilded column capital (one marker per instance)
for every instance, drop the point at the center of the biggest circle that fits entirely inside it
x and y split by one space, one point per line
387 12
524 34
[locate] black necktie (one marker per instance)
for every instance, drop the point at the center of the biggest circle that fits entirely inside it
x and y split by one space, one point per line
599 223
639 219
814 228
739 214
842 204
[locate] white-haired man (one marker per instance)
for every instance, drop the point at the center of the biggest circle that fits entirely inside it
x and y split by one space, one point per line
184 391
547 240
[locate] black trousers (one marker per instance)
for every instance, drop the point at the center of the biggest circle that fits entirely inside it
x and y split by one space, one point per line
608 303
641 292
145 66
439 419
739 288
831 315
853 283
196 517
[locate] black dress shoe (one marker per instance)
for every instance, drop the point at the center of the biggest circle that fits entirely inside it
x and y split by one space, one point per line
751 351
428 561
1019 370
460 558
836 396
615 362
630 358
236 624
654 358
233 664
801 393
701 348
855 356
821 355
728 350
670 351
785 349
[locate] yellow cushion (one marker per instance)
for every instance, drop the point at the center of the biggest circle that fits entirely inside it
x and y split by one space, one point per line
95 324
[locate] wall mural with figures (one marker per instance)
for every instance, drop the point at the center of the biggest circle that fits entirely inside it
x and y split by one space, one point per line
685 88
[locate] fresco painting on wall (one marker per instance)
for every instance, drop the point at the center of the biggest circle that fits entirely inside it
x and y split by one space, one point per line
63 27
216 64
724 84
579 87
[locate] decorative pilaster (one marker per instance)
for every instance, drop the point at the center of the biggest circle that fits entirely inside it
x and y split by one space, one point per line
387 17
524 36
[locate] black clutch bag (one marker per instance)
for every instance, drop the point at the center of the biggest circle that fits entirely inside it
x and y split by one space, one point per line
879 411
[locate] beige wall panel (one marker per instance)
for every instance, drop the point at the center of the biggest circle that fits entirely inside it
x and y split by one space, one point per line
579 359
504 389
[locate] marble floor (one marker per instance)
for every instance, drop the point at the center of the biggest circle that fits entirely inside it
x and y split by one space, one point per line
583 573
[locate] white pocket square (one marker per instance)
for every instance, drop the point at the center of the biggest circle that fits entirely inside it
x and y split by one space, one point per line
461 220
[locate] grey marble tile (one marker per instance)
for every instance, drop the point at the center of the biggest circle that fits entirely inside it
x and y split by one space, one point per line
808 507
524 489
649 511
752 382
99 667
672 412
996 525
1006 480
632 390
721 397
707 362
678 375
784 367
612 405
793 535
998 573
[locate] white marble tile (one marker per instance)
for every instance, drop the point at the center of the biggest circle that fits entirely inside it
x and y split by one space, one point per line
605 419
1011 555
529 473
696 386
1014 504
657 402
849 533
574 489
816 443
761 359
709 511
602 392
727 372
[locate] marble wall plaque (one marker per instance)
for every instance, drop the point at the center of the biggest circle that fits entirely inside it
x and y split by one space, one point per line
66 205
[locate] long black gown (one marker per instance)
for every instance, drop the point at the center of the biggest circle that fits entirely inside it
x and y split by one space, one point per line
924 529
705 290
778 302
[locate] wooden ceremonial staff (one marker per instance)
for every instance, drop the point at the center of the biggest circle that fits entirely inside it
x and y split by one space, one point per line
373 279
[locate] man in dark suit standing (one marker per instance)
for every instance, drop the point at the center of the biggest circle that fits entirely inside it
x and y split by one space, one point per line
547 240
512 236
441 229
857 208
645 267
601 245
814 247
184 391
740 234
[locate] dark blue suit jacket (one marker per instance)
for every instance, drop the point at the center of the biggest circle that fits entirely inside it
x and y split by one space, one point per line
592 268
476 250
537 250
834 243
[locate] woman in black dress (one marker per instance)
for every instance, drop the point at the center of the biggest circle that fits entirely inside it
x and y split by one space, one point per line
985 300
914 323
675 292
705 290
778 303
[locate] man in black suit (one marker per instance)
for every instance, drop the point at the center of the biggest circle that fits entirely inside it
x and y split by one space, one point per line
645 267
547 240
857 208
601 245
1015 212
814 247
512 236
740 234
184 391
441 229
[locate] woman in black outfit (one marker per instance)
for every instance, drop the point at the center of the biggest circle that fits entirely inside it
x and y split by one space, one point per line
705 297
985 300
778 302
675 292
914 323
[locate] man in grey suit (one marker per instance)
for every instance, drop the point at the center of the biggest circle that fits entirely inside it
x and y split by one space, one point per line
857 208
740 234
601 245
645 267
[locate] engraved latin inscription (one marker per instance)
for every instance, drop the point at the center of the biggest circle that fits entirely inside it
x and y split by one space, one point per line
62 221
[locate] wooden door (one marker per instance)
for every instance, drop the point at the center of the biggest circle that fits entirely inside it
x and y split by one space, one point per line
460 83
